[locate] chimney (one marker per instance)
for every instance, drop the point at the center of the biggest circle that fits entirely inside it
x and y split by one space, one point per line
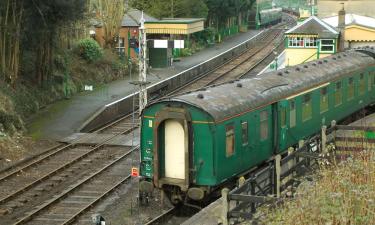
341 27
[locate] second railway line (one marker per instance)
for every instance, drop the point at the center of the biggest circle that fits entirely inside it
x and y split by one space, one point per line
51 172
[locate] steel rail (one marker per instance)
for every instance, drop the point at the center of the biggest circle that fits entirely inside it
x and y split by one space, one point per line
161 216
61 168
75 187
258 49
91 204
25 160
52 153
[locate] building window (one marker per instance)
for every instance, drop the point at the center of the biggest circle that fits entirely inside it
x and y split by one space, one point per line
351 88
245 133
263 125
327 45
306 107
229 140
292 117
338 94
296 42
310 42
362 84
323 100
121 45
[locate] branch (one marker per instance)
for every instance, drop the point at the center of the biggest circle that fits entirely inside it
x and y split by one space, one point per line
40 12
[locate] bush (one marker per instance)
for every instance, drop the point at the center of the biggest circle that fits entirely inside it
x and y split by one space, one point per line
89 49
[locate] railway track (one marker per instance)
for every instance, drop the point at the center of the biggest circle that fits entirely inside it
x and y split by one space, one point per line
45 172
70 204
162 218
25 185
238 66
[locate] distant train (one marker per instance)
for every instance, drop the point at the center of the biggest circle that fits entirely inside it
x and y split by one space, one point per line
269 16
265 17
194 143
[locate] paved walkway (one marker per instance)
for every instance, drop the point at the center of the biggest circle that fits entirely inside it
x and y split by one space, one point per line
65 117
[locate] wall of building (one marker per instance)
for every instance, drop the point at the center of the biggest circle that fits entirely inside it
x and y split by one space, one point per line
123 33
357 33
294 56
328 8
133 33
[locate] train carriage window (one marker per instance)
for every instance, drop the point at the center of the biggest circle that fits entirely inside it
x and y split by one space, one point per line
292 116
229 140
263 125
351 88
362 84
306 107
245 133
323 100
338 94
373 78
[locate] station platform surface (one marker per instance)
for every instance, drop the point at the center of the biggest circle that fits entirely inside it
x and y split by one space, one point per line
64 118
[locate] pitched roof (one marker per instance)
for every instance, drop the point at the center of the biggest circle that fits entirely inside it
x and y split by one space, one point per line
314 25
351 19
132 17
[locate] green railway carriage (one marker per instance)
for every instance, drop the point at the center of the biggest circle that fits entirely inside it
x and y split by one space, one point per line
193 143
269 17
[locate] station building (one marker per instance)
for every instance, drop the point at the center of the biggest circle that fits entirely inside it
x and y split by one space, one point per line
172 29
159 56
127 32
312 39
359 30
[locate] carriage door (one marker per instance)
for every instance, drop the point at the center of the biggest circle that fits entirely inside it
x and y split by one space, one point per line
283 124
174 160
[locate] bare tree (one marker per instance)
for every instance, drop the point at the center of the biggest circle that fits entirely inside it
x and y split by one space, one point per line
11 13
110 13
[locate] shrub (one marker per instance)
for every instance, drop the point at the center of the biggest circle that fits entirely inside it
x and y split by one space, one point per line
89 49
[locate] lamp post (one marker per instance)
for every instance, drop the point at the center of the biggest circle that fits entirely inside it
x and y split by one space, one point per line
142 65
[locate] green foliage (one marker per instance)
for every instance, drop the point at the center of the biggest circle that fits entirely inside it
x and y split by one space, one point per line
175 8
89 49
10 122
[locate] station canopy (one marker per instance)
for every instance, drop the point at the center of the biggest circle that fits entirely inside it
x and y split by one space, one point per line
175 26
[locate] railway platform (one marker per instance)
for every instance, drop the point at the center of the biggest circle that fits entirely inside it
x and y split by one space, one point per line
64 118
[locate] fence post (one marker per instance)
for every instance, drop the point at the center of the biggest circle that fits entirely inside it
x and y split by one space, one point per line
252 191
290 162
324 139
272 178
333 124
225 206
278 174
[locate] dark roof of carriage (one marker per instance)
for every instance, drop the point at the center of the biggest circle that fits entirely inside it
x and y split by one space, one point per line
229 100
